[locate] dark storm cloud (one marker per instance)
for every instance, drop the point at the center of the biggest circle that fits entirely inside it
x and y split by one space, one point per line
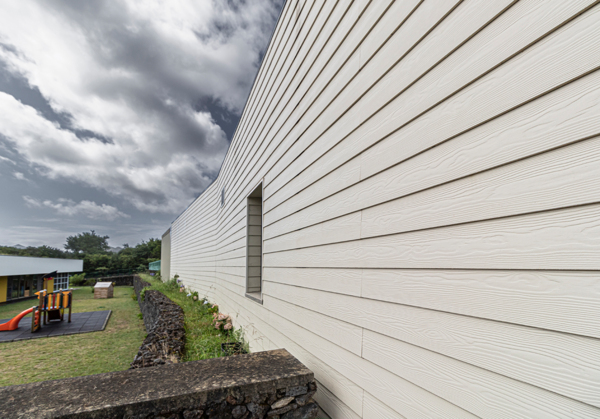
17 86
136 98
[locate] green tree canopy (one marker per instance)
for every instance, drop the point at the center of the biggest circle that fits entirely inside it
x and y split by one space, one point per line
87 243
40 252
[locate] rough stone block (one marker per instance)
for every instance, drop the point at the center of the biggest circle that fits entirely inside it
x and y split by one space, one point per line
296 391
281 403
193 414
309 411
304 399
239 411
187 390
281 411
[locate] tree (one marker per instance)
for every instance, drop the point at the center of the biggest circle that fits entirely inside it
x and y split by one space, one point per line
46 252
40 252
87 243
93 262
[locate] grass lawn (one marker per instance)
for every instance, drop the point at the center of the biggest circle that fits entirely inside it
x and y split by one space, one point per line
203 341
70 356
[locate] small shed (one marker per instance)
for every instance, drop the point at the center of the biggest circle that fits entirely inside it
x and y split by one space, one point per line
103 290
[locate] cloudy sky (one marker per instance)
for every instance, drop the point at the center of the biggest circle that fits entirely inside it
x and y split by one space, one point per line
115 114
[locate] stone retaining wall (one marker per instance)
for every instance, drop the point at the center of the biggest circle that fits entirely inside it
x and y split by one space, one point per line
271 384
164 323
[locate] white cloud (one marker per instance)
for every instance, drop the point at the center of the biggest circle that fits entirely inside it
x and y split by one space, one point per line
109 166
6 159
136 77
69 208
20 176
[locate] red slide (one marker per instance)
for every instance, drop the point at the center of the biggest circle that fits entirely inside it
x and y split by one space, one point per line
14 323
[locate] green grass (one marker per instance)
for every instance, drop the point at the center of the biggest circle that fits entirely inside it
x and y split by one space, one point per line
203 341
75 355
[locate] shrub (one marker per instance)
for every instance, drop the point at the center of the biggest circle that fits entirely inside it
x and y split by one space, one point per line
90 283
222 322
143 293
78 279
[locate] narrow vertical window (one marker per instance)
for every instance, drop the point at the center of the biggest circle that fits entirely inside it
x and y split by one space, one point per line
254 217
222 196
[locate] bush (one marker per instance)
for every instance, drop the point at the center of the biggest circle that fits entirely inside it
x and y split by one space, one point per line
78 279
204 336
172 284
143 293
222 322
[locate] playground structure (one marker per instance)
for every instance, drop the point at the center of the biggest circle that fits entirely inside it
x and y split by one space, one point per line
51 306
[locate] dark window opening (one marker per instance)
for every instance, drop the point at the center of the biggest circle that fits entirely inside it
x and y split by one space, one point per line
254 206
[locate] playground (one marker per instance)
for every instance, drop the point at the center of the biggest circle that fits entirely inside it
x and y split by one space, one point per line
93 321
61 355
51 310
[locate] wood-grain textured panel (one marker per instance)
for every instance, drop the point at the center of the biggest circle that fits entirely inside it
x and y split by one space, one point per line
334 406
430 207
344 228
561 239
373 408
553 300
346 281
559 118
457 68
480 392
565 177
343 334
539 357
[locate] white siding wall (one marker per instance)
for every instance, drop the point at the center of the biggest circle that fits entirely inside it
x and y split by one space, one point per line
165 255
431 188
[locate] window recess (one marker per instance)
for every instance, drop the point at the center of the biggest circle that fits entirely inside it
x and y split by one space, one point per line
254 217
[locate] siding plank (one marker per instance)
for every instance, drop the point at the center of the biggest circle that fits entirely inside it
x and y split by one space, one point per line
543 358
554 120
479 391
344 228
553 300
347 281
373 408
341 333
332 405
565 177
554 240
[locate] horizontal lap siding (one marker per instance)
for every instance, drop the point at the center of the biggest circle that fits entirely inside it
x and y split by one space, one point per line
431 210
